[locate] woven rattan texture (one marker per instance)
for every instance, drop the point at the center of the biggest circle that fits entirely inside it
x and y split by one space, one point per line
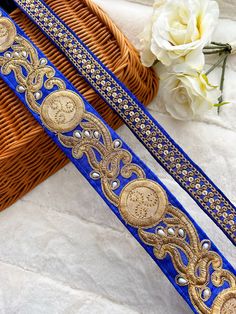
27 155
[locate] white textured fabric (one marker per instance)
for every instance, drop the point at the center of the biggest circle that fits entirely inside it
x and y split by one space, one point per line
146 2
62 251
227 7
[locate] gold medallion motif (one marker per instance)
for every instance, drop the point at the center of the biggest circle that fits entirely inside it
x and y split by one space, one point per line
7 33
62 111
153 138
143 203
225 303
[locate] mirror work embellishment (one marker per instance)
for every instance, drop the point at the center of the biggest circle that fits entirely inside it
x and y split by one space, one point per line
142 203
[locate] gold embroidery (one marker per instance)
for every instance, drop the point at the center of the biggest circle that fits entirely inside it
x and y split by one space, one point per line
62 111
104 155
198 186
142 202
171 239
7 34
225 303
30 71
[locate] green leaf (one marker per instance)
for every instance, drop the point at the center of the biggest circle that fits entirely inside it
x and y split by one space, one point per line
155 62
205 77
222 103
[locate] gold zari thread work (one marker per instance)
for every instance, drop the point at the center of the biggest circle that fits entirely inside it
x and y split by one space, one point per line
197 185
142 203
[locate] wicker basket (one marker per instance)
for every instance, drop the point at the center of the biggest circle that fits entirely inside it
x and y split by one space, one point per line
27 154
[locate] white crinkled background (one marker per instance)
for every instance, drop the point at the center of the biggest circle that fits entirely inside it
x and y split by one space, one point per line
227 7
62 251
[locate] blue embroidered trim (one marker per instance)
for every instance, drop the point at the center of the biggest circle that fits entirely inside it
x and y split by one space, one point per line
163 148
191 262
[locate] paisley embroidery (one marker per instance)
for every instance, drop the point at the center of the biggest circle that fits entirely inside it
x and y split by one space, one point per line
142 202
166 152
192 259
29 71
104 155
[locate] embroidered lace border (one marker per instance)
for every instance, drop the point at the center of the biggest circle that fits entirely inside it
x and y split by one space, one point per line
164 149
136 196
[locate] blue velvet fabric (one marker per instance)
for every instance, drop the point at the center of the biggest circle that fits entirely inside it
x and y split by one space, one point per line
8 5
85 169
185 160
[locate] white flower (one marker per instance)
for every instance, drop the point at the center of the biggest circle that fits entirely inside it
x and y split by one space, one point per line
186 96
178 31
233 47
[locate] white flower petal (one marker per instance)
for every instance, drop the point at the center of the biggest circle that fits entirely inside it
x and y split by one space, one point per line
147 57
178 31
187 95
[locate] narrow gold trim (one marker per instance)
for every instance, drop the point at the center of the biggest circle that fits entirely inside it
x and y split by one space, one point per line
142 202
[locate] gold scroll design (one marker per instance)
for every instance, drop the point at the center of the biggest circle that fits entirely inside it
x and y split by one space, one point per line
178 235
61 110
142 203
108 160
30 71
221 217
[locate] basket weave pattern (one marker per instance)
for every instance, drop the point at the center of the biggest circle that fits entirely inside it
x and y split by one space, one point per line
27 155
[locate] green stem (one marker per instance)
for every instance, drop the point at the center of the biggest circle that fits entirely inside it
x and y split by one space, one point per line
214 51
216 64
217 44
222 81
213 47
155 62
